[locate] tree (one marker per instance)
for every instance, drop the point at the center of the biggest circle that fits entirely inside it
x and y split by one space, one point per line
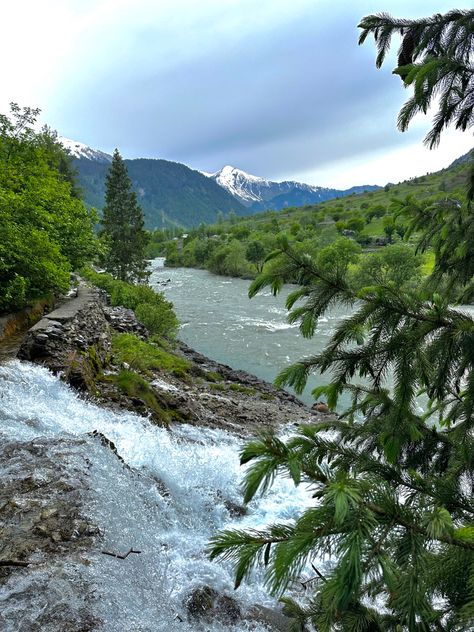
255 253
393 475
123 226
436 57
45 230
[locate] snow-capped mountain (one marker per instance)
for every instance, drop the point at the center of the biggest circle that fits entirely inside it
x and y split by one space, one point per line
259 193
79 150
229 189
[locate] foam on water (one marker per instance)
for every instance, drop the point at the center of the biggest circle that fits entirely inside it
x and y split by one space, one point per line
177 493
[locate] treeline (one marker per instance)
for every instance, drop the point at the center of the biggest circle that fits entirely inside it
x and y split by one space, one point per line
45 229
371 221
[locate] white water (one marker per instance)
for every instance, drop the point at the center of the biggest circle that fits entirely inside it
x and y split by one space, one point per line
198 468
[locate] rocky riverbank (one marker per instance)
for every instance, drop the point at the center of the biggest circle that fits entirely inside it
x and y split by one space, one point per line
76 341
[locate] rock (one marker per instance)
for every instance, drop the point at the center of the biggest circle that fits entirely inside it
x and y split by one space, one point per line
273 618
321 407
206 603
201 601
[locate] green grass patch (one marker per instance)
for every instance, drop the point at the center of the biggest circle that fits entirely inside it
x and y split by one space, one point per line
217 387
135 386
146 357
239 388
213 376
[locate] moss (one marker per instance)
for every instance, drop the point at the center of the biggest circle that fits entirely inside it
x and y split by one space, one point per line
81 372
146 357
239 388
267 396
213 376
137 387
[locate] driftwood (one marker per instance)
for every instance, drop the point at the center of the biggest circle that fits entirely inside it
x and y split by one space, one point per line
14 563
120 556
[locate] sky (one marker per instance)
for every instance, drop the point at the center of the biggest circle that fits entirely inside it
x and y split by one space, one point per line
278 88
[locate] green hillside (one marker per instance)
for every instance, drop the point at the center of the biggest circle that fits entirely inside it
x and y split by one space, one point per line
239 246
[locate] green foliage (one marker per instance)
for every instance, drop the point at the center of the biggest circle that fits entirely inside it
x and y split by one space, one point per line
395 265
255 253
144 356
229 260
392 482
150 307
435 58
123 226
45 230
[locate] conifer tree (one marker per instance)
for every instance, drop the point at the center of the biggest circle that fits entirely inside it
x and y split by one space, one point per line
392 475
123 226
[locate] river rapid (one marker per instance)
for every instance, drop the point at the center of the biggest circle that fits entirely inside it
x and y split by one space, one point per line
175 489
219 320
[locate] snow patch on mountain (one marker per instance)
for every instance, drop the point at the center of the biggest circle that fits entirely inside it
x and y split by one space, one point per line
80 150
250 189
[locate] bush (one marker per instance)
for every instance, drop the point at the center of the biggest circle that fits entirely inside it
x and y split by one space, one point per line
150 307
158 318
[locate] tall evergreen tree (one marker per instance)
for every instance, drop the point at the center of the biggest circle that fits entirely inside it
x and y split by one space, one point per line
393 485
123 226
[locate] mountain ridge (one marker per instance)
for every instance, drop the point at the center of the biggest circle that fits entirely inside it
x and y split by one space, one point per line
172 193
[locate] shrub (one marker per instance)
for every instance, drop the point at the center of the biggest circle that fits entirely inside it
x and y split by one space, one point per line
150 307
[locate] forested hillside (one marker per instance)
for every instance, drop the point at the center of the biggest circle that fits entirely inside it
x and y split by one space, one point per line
169 193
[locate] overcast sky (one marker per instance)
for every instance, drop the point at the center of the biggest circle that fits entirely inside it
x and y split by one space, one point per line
278 88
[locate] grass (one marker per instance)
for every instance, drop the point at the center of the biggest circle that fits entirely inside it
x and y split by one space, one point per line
135 386
146 357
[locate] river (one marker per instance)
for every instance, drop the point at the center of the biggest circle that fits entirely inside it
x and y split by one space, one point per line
219 320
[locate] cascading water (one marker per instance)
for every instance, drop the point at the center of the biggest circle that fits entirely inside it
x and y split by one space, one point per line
175 489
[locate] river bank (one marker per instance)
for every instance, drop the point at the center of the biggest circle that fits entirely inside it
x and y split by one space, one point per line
85 483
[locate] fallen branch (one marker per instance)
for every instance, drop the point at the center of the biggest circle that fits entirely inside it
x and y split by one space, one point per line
119 555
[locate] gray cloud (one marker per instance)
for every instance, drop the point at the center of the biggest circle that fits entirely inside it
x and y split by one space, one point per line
288 96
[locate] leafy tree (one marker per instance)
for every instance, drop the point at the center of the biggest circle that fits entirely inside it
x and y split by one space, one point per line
255 253
393 475
123 226
397 264
356 223
45 230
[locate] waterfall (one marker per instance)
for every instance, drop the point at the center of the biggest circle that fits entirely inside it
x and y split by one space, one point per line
174 490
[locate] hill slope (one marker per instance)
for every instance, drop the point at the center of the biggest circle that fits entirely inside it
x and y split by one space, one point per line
168 192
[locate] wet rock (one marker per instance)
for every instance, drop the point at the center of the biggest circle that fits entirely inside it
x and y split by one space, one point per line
106 442
42 525
207 604
201 601
273 618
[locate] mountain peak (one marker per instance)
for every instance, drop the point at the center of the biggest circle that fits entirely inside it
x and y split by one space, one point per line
80 150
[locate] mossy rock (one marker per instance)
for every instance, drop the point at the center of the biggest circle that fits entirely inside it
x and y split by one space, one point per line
147 357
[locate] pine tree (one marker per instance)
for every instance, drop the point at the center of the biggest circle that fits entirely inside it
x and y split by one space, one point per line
123 226
435 57
393 484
